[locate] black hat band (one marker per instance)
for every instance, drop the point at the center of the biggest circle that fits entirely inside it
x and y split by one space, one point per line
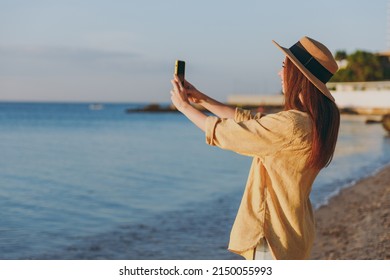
311 64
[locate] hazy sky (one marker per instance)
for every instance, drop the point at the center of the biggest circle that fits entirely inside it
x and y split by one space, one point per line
124 51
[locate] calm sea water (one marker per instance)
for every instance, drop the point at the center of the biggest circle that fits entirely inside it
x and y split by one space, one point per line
77 183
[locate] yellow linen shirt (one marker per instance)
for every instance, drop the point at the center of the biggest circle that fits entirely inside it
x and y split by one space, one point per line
275 203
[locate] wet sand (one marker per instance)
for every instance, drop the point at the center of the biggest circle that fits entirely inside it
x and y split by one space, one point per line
355 224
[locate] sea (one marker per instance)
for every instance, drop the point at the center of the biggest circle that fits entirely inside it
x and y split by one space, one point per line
95 182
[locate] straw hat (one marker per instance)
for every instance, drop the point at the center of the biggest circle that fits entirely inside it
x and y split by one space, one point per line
314 60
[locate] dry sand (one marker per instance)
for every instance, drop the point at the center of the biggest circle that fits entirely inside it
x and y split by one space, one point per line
355 224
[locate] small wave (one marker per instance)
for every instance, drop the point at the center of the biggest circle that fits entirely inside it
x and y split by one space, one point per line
349 184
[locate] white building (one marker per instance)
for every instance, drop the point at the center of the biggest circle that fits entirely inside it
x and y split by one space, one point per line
362 97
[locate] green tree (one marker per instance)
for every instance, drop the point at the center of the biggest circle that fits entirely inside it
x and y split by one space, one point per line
362 66
340 55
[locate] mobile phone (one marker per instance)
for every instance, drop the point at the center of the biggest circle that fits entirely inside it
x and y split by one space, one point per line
180 69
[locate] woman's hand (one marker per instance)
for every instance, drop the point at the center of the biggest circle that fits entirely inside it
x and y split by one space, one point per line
182 96
179 95
194 95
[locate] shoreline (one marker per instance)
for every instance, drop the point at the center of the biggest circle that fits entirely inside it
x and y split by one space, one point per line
355 223
347 185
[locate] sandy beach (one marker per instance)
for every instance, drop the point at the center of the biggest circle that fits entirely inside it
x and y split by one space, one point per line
355 224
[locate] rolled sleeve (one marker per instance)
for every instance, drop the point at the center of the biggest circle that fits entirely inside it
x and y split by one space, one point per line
253 137
211 122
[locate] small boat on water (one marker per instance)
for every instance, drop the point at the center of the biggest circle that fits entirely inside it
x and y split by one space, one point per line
95 106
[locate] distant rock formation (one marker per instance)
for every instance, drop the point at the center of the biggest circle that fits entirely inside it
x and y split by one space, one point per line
386 122
153 108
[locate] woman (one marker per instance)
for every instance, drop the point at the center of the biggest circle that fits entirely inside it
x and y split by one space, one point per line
275 218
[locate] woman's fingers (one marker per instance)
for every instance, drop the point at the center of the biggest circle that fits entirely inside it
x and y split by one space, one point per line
176 79
179 90
178 87
175 85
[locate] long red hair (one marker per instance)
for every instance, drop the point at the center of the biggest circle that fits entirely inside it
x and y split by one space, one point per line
322 111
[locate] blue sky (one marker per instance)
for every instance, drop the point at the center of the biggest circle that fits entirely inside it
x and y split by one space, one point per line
124 51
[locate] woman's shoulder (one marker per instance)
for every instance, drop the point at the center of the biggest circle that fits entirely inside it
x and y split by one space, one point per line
301 120
290 115
296 119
